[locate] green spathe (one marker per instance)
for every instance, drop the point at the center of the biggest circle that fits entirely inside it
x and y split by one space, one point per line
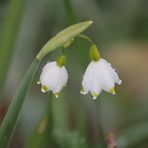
63 38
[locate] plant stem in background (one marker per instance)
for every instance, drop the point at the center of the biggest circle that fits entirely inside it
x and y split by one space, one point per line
80 111
41 137
72 19
69 12
8 125
102 142
9 32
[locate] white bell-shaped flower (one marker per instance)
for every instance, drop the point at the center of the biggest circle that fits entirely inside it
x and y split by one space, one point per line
99 75
53 77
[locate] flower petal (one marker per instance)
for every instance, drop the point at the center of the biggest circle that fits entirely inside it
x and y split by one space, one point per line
99 75
112 71
53 77
96 87
87 78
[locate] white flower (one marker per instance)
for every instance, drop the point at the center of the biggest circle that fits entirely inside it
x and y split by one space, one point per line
99 75
53 77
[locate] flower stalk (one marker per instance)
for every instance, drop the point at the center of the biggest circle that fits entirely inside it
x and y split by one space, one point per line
10 121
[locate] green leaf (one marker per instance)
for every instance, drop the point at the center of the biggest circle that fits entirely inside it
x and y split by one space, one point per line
9 123
63 37
8 36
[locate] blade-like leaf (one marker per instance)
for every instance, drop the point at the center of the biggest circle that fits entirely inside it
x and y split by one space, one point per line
8 36
10 120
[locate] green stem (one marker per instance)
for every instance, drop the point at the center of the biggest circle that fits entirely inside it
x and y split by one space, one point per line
87 38
102 143
9 32
63 51
69 12
9 123
50 116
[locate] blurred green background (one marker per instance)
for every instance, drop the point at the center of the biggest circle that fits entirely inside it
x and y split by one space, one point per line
120 30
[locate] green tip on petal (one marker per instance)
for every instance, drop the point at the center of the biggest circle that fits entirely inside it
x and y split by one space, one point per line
95 95
94 53
61 61
82 91
56 95
112 91
39 82
44 88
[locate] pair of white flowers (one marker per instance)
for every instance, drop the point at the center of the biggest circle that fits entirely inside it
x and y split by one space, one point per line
99 76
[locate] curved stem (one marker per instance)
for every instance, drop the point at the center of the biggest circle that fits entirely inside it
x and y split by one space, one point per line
86 37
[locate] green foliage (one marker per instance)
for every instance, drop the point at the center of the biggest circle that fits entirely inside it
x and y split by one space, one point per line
69 139
9 123
8 36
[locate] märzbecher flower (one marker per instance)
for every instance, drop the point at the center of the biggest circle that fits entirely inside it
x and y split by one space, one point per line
99 75
53 77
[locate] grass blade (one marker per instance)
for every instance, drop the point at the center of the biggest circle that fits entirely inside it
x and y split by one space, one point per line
9 123
8 36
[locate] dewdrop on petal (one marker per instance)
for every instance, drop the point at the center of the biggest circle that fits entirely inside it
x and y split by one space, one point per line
53 77
99 75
